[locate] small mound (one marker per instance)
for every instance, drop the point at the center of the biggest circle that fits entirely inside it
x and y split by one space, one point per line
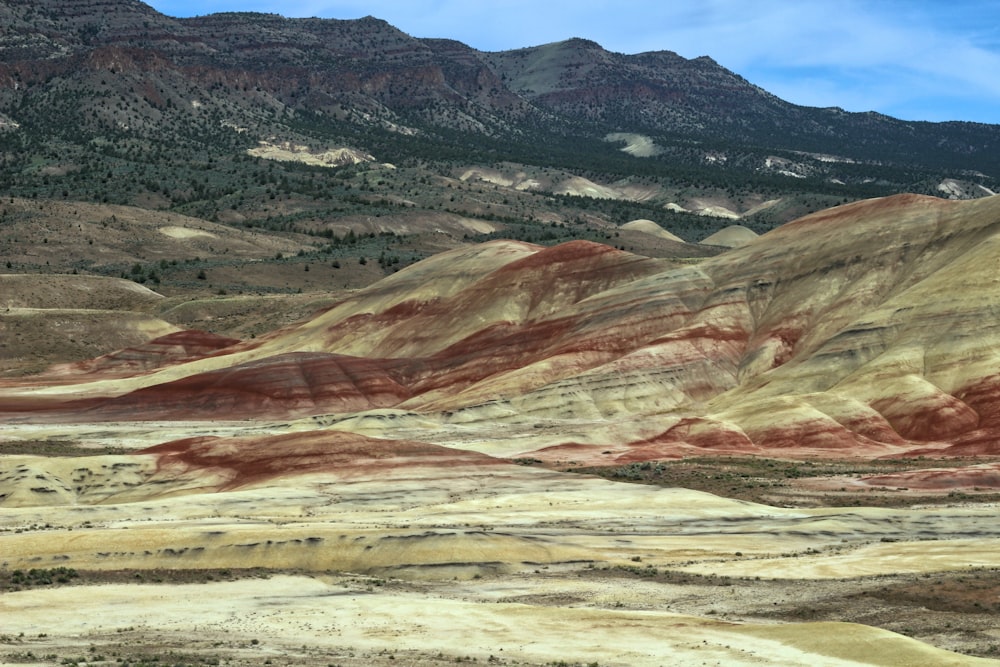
650 227
174 348
637 145
285 385
33 340
582 187
42 291
40 481
985 476
288 152
245 461
185 232
733 236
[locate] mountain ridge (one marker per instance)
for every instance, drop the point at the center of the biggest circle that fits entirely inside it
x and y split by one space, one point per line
232 118
368 63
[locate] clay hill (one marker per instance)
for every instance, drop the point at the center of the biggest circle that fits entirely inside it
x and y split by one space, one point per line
813 415
864 328
325 344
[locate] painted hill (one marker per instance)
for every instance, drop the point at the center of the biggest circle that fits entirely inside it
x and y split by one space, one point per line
650 227
733 236
855 340
410 447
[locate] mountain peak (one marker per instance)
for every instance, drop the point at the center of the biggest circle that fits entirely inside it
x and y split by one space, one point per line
334 77
581 43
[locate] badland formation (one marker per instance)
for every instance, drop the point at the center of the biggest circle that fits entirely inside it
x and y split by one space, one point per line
323 344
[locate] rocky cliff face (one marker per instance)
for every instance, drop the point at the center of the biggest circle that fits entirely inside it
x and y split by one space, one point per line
650 90
240 65
264 72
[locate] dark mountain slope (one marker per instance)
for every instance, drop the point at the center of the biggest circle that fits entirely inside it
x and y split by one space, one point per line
116 103
662 92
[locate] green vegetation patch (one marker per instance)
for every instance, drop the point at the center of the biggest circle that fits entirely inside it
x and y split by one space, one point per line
762 480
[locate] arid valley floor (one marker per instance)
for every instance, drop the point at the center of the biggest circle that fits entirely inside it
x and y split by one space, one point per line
785 453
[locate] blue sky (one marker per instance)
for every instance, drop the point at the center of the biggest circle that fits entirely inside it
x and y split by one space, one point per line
912 59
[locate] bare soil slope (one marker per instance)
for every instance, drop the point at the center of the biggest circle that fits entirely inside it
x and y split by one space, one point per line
411 447
858 342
